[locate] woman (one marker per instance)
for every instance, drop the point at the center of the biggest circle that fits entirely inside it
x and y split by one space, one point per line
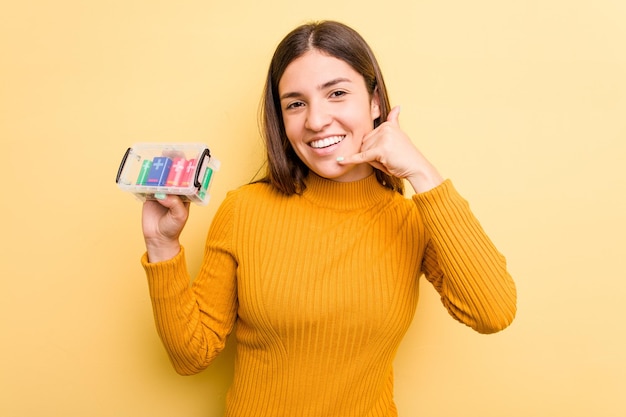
318 263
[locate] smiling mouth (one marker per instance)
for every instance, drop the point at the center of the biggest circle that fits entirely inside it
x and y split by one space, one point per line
326 142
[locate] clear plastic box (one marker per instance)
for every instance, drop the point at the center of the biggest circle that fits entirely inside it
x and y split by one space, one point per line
153 170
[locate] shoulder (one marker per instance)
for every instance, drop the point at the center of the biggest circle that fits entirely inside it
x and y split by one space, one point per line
244 203
258 194
400 202
398 209
254 191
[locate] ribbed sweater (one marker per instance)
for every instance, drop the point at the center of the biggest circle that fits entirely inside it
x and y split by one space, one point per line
320 288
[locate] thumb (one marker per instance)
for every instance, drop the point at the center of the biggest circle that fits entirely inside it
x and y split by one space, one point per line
178 208
393 116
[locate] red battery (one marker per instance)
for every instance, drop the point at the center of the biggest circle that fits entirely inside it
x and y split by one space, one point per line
177 172
190 172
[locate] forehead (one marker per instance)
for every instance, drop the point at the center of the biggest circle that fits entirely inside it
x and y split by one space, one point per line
315 68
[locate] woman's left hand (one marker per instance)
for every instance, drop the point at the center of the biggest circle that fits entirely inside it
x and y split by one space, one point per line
390 150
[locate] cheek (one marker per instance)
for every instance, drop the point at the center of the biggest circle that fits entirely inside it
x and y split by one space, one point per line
290 133
292 129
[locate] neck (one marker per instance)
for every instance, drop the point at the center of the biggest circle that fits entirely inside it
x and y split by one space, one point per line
343 195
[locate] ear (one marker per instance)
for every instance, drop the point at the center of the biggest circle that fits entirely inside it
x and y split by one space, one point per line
375 105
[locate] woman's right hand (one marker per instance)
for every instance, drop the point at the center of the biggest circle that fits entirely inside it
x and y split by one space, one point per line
162 222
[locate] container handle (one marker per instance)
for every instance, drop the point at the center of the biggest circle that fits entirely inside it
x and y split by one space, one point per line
119 170
205 153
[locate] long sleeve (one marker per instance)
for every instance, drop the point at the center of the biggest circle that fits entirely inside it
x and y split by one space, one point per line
463 264
194 321
323 287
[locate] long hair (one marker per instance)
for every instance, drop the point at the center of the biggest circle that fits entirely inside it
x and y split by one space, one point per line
285 170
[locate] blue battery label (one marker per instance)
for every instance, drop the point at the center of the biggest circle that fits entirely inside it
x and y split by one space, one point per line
159 171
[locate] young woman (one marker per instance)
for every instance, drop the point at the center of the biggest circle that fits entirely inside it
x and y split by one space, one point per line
318 263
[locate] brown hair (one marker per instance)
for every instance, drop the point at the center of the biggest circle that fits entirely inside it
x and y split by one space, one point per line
285 170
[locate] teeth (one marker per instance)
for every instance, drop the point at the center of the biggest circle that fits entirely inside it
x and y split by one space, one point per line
323 143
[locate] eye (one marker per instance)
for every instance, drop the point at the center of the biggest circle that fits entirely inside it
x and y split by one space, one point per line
338 94
294 105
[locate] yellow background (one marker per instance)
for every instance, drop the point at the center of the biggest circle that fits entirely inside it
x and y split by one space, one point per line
521 103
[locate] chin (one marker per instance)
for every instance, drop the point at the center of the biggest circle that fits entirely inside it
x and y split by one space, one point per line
343 173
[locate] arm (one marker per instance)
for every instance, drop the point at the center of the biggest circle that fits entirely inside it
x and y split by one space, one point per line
463 264
194 321
460 260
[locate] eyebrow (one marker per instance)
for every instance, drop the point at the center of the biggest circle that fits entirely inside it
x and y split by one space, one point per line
321 87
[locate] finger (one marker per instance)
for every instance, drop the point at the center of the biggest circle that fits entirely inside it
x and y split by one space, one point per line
367 156
394 115
167 200
357 158
363 157
177 208
392 119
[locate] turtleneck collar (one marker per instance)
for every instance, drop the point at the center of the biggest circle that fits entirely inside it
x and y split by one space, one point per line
343 195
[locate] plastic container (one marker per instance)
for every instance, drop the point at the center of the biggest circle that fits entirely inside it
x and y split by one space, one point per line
153 170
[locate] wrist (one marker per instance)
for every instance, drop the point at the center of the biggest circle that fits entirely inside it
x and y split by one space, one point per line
162 251
425 181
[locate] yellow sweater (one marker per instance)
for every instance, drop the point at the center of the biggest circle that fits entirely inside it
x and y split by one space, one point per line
322 287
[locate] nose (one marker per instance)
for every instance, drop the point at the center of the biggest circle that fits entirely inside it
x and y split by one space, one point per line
317 117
